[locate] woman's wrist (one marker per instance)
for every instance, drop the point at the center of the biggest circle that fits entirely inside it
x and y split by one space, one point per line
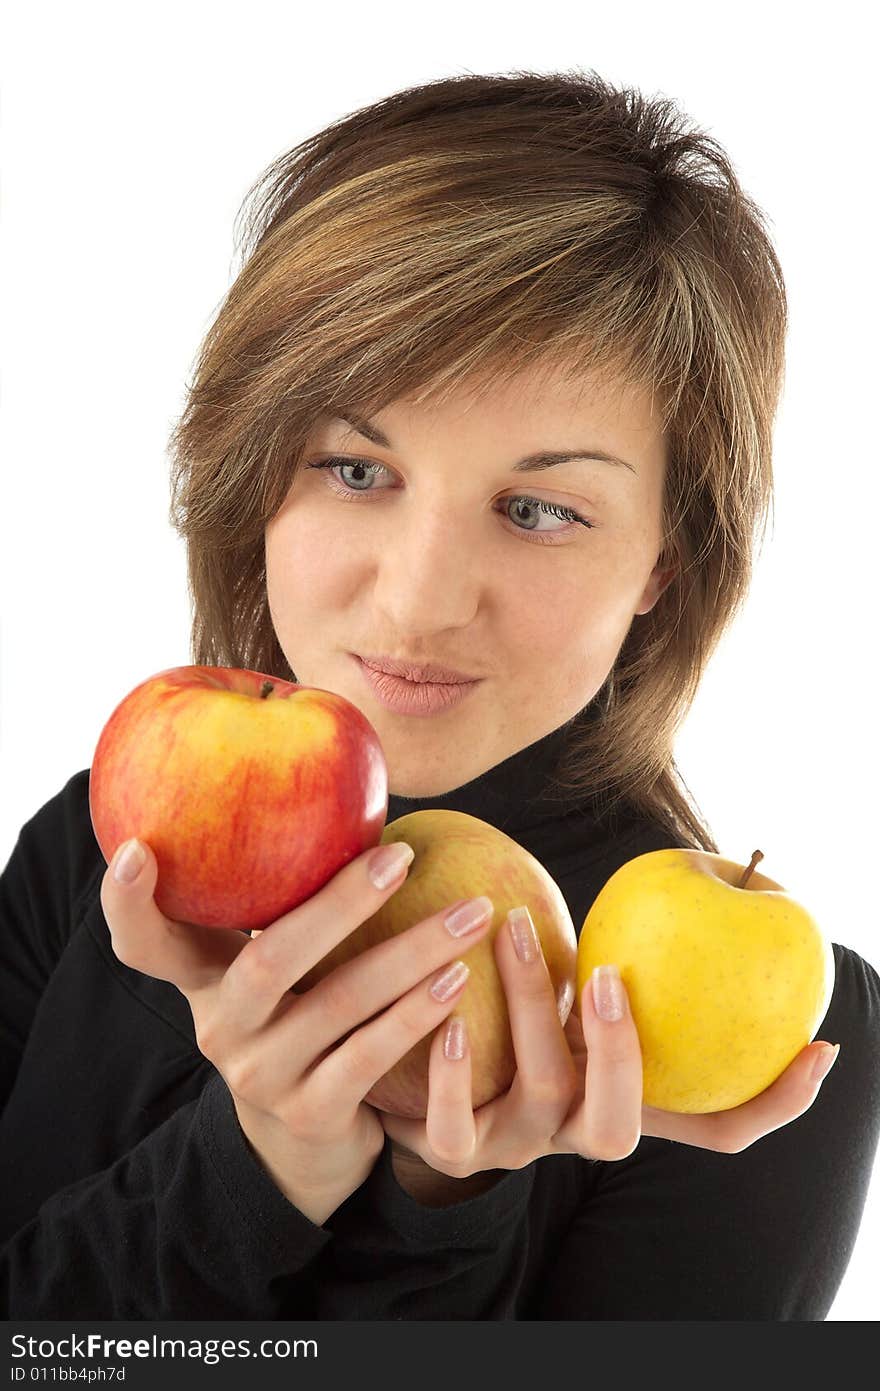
318 1198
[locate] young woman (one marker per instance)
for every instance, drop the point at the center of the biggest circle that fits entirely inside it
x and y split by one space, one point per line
489 407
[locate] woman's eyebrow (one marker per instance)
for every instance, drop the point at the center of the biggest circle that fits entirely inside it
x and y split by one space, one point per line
532 463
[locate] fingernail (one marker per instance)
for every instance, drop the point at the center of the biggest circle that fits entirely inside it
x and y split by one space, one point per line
386 865
468 915
608 993
824 1063
451 981
525 938
130 862
455 1038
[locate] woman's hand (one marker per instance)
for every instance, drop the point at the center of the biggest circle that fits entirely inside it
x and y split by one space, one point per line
577 1090
298 1065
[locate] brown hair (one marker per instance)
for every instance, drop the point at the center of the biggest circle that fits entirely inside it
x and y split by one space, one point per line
490 224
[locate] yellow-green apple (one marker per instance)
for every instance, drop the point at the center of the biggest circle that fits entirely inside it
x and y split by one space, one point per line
457 857
728 977
251 791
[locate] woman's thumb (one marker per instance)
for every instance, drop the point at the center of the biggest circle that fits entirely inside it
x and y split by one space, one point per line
129 861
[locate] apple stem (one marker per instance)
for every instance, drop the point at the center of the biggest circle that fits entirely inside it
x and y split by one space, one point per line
267 689
747 872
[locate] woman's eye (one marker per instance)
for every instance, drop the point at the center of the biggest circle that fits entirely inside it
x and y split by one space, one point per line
518 506
547 509
331 464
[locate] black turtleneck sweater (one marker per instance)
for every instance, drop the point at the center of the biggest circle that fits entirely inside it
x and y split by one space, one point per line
128 1191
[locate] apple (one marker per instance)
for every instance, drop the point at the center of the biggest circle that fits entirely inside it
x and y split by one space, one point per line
251 791
459 856
728 977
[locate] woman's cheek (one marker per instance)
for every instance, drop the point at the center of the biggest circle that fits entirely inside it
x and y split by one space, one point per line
295 560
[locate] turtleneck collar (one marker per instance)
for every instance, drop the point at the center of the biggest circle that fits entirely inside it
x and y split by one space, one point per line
518 794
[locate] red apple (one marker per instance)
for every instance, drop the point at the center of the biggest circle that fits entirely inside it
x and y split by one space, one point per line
251 791
460 856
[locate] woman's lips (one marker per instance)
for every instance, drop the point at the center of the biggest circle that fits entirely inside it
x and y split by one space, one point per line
417 671
414 697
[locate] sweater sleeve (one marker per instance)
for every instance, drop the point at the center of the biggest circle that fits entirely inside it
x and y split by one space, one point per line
185 1225
393 1258
674 1232
39 887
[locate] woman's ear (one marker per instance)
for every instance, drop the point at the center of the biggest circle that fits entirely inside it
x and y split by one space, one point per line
661 576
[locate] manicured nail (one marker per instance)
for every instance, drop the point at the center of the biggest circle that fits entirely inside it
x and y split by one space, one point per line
468 915
525 938
455 1038
824 1063
608 993
450 982
130 862
388 863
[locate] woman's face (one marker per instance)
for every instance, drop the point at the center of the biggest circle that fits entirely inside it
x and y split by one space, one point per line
427 551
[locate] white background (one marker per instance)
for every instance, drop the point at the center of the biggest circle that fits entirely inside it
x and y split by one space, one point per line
129 138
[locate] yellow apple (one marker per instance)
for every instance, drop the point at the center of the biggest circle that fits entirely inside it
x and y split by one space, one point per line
456 857
728 977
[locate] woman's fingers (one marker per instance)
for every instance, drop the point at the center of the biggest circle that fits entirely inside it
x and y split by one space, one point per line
187 955
280 955
612 1113
729 1132
356 1065
546 1076
543 1112
449 1125
356 990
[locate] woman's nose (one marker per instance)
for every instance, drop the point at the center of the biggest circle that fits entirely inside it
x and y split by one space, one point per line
430 578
